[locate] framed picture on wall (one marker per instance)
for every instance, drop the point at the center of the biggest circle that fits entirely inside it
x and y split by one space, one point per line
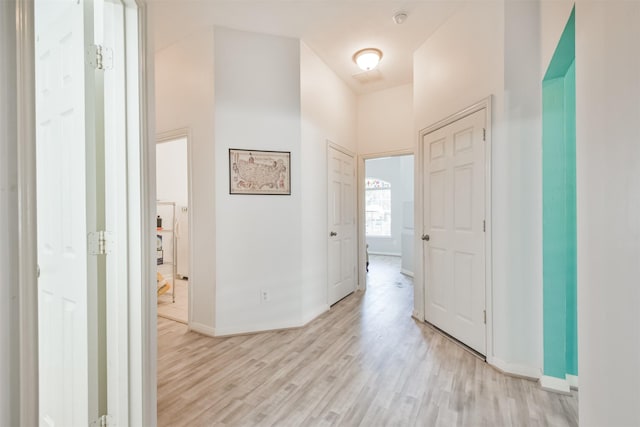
259 172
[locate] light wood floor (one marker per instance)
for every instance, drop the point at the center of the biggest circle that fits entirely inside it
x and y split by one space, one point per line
366 363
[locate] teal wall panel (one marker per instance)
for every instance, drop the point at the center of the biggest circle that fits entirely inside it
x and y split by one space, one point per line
554 228
559 209
570 176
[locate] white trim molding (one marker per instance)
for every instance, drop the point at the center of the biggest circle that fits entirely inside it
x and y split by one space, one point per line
556 385
202 329
314 314
573 381
393 254
143 302
265 327
27 252
514 369
171 135
406 272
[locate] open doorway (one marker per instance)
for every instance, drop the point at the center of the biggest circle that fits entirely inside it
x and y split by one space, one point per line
388 217
172 240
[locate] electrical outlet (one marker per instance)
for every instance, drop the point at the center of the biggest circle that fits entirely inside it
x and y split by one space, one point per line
264 295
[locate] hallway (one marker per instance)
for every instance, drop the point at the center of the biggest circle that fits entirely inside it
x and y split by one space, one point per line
365 362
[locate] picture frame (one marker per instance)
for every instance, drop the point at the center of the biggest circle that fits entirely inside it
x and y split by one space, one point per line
259 172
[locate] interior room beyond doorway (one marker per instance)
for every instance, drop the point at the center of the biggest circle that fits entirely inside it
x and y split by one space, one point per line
172 247
389 226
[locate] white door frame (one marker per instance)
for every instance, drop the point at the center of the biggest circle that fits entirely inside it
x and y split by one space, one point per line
185 133
141 201
419 303
27 221
362 234
143 332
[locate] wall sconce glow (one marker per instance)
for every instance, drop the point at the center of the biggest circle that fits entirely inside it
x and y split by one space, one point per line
367 59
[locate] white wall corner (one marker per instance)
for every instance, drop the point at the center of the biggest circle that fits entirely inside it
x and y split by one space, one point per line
311 315
515 369
556 385
202 329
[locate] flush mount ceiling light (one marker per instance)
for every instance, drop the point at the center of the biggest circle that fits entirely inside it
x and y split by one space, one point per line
367 59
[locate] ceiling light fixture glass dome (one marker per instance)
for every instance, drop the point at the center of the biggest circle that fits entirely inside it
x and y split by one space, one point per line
367 59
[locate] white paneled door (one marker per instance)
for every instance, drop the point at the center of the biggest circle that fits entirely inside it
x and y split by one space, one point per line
342 225
454 237
72 177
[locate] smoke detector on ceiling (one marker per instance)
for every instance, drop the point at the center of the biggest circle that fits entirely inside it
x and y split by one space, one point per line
400 17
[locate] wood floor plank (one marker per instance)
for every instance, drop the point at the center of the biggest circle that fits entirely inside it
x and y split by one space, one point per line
366 362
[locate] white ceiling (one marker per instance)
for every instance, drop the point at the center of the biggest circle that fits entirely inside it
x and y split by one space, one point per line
334 29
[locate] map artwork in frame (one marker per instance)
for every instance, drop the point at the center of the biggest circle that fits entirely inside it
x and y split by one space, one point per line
259 172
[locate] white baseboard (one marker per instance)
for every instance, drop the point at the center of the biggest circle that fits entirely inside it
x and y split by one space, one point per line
276 326
202 329
385 253
313 314
556 385
253 329
406 272
515 369
573 381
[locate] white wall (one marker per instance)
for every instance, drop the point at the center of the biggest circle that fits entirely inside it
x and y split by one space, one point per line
172 172
608 185
185 99
473 55
328 113
9 303
517 195
385 121
462 63
326 110
554 15
398 171
258 237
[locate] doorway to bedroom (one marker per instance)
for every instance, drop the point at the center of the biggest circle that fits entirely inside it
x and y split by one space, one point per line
172 232
389 229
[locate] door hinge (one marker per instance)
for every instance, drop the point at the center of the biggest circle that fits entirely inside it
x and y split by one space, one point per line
100 57
103 421
100 242
485 316
484 134
484 225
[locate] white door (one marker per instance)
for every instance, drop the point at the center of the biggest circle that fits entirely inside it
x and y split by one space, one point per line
69 196
342 226
454 239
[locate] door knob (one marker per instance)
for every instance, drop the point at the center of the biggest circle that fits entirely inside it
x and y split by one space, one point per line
333 234
425 237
